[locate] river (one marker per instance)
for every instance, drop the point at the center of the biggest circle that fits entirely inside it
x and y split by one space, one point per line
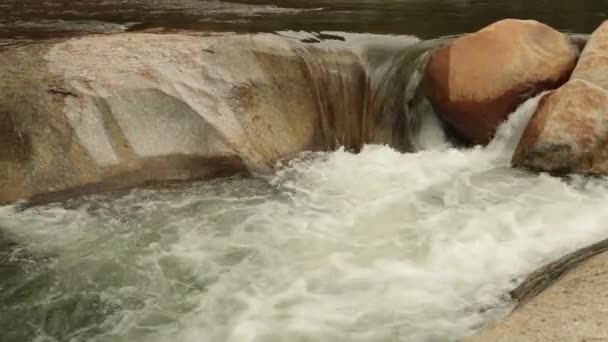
35 19
378 246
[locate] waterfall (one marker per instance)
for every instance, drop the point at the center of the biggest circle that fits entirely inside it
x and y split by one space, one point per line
379 100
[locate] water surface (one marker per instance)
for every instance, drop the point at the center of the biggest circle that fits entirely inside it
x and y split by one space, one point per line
34 19
378 247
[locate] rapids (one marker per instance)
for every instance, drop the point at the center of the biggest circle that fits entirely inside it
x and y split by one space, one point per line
375 246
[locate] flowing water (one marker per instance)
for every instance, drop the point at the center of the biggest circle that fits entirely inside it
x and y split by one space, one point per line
377 246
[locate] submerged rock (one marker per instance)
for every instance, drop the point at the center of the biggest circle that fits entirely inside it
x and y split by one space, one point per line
563 301
111 111
480 78
569 131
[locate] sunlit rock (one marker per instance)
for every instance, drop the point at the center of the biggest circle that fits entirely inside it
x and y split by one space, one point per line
593 63
562 301
478 79
569 131
109 111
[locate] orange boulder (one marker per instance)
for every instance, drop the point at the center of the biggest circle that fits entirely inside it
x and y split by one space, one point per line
593 63
476 81
568 133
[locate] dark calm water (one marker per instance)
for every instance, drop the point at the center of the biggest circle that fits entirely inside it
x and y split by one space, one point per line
33 19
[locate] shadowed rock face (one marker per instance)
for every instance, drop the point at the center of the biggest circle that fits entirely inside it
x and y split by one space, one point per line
15 144
569 131
105 112
479 79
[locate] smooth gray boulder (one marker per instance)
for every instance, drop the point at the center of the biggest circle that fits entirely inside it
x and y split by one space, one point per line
103 112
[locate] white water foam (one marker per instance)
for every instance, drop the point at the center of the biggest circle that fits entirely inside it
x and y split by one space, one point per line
379 246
